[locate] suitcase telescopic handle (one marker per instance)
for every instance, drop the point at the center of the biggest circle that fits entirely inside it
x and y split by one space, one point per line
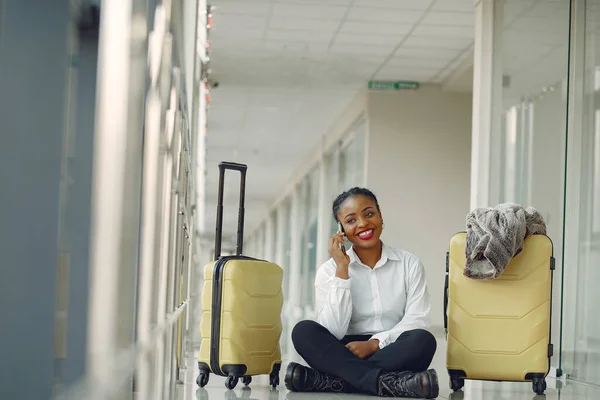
240 230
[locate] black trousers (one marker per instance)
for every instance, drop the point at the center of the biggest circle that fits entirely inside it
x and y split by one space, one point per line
412 351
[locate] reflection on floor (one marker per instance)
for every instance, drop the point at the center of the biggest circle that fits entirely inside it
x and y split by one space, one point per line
474 390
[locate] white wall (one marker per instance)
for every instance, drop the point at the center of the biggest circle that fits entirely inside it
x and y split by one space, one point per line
335 133
418 165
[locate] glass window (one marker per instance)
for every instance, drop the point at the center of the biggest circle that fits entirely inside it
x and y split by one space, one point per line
249 246
352 156
346 165
285 212
531 144
309 217
528 138
274 216
334 183
260 253
284 216
581 327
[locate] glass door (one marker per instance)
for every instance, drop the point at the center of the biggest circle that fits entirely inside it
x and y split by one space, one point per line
581 325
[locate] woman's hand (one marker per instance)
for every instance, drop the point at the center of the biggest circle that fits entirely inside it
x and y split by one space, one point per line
363 349
338 252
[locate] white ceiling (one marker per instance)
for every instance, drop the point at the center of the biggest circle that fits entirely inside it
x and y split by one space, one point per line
288 68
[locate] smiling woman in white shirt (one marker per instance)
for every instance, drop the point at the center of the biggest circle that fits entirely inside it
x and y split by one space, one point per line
372 314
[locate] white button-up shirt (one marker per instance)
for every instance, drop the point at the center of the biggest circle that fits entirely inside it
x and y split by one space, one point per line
383 302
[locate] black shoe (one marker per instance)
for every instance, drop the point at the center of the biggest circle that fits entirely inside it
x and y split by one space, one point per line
422 385
299 378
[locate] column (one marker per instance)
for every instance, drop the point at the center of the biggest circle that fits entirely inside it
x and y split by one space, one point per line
294 310
116 186
260 241
34 58
78 211
279 255
487 102
324 221
269 252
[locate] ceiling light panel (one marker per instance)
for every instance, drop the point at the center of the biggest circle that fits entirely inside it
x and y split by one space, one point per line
449 18
312 24
424 53
225 9
356 27
377 40
392 15
437 42
445 31
397 4
307 11
465 6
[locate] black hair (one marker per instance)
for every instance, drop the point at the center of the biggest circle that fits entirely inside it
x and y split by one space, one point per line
355 191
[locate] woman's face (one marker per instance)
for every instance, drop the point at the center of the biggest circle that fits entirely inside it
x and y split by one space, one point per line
361 220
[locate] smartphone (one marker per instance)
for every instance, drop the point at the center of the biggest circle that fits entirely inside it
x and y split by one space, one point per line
341 230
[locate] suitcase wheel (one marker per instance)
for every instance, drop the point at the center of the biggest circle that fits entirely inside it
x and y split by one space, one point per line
202 379
539 386
231 382
246 380
456 384
274 380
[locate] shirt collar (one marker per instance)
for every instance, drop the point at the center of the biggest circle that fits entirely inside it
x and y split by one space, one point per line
386 254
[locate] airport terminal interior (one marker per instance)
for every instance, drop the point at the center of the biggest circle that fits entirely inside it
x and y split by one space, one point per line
116 114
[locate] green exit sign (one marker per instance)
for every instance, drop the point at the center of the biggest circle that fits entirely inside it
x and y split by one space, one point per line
393 85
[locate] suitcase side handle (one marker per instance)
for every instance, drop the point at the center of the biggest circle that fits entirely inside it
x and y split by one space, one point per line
242 168
446 305
446 293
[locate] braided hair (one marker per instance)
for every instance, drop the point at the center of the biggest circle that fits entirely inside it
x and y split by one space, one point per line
355 191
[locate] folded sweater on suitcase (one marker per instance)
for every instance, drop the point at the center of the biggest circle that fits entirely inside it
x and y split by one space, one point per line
496 235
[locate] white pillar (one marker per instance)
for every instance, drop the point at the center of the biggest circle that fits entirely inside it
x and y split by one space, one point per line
279 254
293 299
269 246
260 241
487 102
252 245
110 160
324 216
295 250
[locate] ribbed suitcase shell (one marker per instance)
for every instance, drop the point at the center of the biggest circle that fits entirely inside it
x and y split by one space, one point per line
241 307
249 326
500 329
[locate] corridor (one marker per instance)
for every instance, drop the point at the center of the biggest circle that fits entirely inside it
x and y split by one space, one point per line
117 114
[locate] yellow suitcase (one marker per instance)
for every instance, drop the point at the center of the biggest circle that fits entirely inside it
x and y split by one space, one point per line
499 330
241 309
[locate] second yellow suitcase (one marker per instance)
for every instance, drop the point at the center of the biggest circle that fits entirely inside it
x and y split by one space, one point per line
241 309
499 330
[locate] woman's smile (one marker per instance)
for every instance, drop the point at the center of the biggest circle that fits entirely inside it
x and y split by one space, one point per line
366 234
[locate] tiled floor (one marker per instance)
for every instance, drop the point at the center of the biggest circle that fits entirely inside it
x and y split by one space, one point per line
473 390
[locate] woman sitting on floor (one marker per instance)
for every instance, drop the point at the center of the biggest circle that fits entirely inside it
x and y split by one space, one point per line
373 309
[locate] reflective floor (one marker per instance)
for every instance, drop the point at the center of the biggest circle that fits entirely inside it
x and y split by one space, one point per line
474 390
